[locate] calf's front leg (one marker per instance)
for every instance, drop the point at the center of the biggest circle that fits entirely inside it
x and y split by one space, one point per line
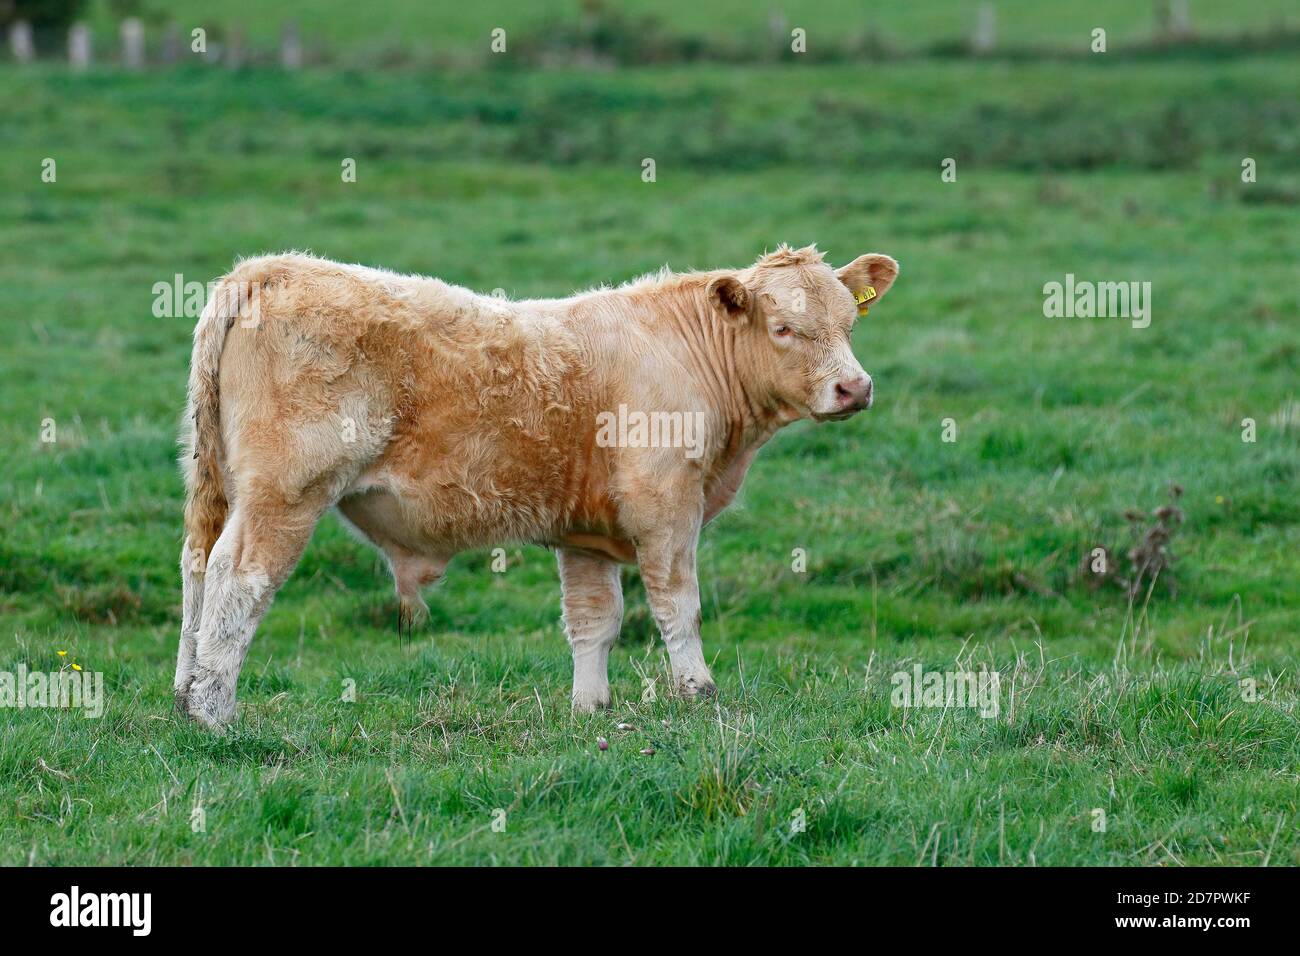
667 560
593 613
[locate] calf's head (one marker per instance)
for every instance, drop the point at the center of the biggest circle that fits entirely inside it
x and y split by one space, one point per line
794 315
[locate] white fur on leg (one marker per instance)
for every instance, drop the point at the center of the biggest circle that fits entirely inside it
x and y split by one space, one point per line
591 637
233 604
593 613
667 559
191 618
679 621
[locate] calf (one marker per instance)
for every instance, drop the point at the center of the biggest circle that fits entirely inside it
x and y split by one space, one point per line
435 419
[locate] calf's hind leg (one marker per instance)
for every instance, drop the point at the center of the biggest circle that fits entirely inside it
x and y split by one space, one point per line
377 518
256 552
193 562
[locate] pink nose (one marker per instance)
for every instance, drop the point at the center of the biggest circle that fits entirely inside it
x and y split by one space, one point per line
854 394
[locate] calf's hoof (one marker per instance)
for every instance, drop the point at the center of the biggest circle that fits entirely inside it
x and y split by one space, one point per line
590 700
210 704
697 688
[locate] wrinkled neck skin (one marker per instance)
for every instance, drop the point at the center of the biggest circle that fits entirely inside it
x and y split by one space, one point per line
723 365
666 342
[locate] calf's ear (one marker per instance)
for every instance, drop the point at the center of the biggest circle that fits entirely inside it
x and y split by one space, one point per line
872 271
730 298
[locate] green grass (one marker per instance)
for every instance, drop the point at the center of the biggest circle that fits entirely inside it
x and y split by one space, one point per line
919 551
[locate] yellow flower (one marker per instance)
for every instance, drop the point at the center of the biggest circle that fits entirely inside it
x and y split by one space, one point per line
76 667
1218 499
63 653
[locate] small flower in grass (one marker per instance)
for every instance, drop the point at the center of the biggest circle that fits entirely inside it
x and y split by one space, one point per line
602 743
76 666
63 653
625 727
1218 499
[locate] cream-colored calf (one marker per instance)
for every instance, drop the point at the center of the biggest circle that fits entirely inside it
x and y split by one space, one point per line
611 426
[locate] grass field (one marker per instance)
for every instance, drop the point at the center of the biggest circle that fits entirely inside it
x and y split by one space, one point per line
920 551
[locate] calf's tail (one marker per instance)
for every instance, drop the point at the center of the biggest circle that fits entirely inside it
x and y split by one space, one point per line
205 503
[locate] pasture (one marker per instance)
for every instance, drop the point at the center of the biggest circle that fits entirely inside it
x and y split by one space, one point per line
963 553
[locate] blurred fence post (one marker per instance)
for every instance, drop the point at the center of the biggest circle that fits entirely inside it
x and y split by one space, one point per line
291 47
20 41
79 46
779 29
171 44
985 36
1173 20
132 43
235 48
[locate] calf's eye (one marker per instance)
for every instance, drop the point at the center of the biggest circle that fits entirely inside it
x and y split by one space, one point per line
781 331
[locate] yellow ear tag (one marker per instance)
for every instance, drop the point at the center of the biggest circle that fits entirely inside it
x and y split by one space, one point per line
864 298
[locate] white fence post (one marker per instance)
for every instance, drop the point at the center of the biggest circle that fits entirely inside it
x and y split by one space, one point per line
132 43
79 47
171 44
779 30
985 36
20 41
235 48
291 47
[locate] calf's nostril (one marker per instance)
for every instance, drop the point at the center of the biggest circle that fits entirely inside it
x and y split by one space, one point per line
854 394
